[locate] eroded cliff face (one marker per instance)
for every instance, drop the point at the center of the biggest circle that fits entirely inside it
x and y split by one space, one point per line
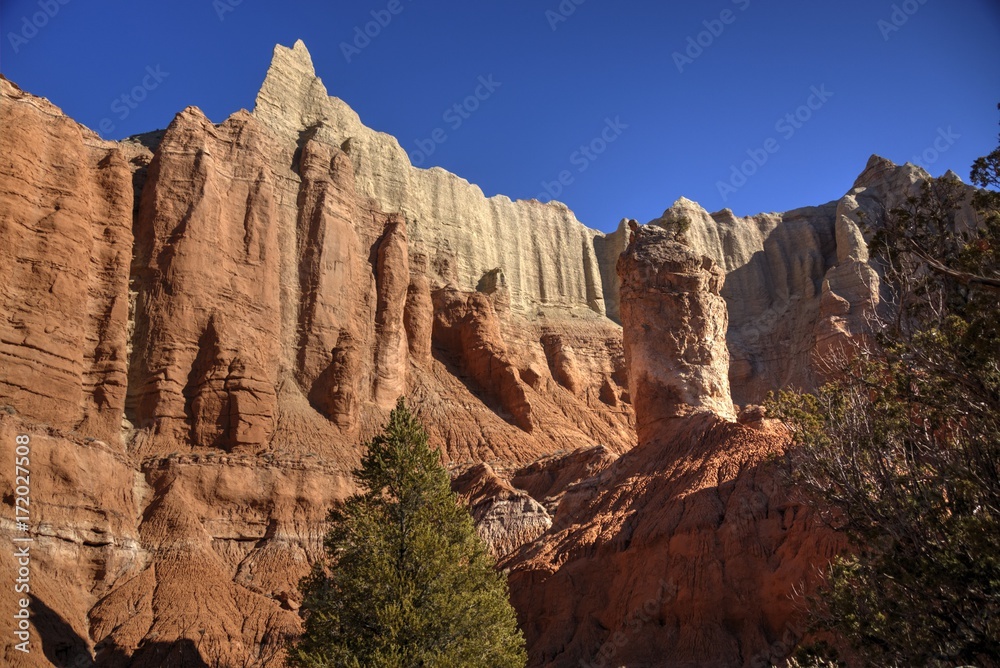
211 321
204 324
546 253
65 225
506 517
800 287
168 562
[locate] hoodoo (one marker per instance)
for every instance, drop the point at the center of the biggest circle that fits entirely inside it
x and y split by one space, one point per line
675 325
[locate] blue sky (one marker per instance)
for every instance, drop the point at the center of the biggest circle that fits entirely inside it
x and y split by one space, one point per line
631 104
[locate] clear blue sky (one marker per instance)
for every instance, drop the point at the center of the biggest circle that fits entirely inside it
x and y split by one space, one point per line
895 92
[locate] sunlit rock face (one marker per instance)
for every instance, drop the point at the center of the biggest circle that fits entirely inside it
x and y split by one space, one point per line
204 324
674 330
546 254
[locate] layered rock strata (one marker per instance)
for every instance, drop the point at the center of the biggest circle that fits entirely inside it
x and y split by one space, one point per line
675 331
66 231
212 320
506 518
204 324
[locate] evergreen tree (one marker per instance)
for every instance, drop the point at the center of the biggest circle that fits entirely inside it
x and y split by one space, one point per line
407 582
902 451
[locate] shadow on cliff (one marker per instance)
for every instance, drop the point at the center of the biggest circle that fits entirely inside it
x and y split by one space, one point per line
180 654
457 370
705 546
63 647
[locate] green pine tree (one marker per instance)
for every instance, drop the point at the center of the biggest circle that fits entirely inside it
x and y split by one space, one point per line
407 582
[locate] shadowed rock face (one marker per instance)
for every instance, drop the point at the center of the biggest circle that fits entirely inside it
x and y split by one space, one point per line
506 518
800 287
467 326
205 323
687 551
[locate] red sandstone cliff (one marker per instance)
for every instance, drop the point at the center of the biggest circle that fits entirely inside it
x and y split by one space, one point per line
200 337
203 325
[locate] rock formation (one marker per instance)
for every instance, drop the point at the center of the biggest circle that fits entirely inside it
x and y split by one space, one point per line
66 230
205 323
228 315
506 518
546 254
675 331
686 551
800 286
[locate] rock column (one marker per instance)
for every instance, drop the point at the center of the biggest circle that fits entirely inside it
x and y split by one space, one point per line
674 324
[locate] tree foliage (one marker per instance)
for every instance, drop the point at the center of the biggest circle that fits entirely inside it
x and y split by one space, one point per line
902 451
407 582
